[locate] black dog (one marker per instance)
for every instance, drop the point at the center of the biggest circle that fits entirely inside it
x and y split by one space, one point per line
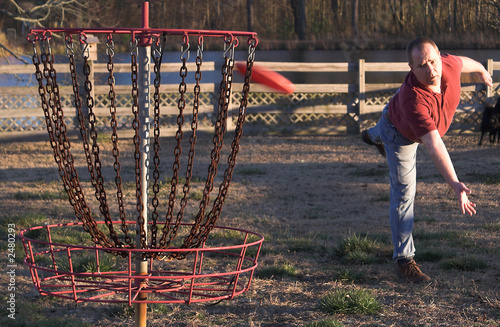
491 123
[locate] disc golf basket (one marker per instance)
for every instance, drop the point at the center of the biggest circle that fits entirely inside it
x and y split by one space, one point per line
165 259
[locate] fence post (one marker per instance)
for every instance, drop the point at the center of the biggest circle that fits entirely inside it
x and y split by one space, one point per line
361 93
489 89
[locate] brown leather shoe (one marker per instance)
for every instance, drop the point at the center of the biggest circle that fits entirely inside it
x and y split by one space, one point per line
368 140
411 271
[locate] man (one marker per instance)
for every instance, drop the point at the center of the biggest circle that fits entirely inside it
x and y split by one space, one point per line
420 112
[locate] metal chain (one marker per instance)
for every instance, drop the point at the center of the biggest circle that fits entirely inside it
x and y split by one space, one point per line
235 145
192 143
137 142
61 147
157 50
81 208
114 139
56 127
193 238
95 166
181 104
65 161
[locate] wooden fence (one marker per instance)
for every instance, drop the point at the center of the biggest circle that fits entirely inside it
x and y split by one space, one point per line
332 108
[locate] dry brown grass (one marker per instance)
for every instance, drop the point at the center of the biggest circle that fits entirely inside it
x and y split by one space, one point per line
305 195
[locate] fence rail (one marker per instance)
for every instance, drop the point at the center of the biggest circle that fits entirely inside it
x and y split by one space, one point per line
341 107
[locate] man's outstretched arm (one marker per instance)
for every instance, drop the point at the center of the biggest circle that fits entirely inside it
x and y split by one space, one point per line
472 66
441 158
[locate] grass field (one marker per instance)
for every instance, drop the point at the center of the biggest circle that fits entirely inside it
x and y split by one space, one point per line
322 204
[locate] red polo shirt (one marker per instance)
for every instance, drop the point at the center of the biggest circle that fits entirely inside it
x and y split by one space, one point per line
416 110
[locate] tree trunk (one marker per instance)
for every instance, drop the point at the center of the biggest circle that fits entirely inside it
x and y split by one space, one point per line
299 15
433 20
250 15
355 18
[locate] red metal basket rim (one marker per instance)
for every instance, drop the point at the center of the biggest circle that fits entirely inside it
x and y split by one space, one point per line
177 250
145 31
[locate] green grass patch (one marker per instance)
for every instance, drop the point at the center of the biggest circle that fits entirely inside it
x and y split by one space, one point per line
74 235
453 238
325 323
120 310
45 195
285 269
196 195
87 263
354 301
125 311
306 245
250 171
431 255
362 249
167 181
30 312
350 276
466 263
492 227
23 221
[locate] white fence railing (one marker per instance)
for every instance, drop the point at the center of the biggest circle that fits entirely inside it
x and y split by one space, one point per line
337 107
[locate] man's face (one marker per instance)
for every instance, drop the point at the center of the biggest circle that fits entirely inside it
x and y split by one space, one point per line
427 66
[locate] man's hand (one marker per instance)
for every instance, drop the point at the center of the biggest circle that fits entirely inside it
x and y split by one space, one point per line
461 192
486 77
441 159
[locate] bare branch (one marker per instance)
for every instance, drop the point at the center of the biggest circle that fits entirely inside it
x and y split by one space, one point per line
13 54
19 8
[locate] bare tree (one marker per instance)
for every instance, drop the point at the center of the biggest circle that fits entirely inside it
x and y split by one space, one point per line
397 14
493 13
37 15
56 13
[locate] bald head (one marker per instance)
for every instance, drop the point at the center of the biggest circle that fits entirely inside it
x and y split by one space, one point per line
418 44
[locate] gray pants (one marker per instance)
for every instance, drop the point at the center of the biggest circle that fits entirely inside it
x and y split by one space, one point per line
401 158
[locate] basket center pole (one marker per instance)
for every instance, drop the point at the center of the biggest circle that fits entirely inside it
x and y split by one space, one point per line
144 59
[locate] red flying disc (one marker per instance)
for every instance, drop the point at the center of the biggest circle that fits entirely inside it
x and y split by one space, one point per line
268 78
